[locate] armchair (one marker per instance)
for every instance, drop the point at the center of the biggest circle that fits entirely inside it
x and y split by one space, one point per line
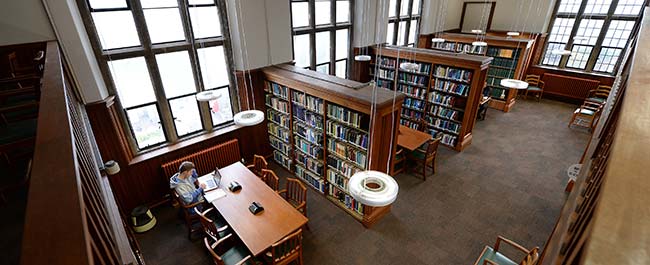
492 256
535 86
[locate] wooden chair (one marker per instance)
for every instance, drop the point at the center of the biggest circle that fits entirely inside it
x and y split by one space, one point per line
296 194
599 95
259 163
209 225
235 255
189 215
535 86
425 156
287 250
586 115
271 179
400 160
492 256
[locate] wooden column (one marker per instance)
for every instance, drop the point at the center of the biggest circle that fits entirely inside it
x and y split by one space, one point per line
360 70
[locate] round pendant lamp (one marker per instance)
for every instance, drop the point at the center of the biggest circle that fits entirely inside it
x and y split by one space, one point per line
249 117
362 58
477 31
479 43
207 95
373 188
406 66
437 40
514 83
561 52
512 33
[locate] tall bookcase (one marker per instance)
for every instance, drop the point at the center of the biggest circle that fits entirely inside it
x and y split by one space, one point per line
320 129
441 96
511 56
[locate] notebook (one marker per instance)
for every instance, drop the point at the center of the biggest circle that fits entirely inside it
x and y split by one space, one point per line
214 195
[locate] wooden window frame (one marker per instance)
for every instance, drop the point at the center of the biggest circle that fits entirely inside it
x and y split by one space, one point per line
407 18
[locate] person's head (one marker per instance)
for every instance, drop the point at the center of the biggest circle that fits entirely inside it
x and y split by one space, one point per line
186 169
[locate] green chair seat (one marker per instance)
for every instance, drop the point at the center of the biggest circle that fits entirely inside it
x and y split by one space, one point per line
498 258
418 154
235 254
534 88
584 111
598 100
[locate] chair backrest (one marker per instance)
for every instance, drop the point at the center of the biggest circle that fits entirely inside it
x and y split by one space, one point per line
271 179
215 257
432 147
533 79
288 249
208 225
296 192
260 163
600 93
531 257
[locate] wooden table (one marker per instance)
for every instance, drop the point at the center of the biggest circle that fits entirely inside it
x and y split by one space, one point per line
411 139
258 232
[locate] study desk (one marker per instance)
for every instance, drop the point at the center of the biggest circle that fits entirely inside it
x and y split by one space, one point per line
411 139
258 232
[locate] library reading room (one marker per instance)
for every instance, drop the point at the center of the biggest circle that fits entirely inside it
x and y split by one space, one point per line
379 132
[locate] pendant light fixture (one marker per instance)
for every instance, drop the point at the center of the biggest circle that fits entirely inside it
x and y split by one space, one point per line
409 67
362 58
477 31
561 52
437 40
514 83
249 117
479 43
512 33
440 18
373 188
208 95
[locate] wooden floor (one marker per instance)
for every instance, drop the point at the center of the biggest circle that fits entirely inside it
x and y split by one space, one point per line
509 182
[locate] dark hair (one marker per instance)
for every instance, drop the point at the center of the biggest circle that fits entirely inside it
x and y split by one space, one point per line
185 166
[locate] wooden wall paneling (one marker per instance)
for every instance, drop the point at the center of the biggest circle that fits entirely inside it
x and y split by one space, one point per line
574 91
25 54
360 71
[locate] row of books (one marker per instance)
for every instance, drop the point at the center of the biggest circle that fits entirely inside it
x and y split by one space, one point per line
412 114
501 52
447 139
348 117
417 80
310 118
278 90
383 73
278 117
311 103
459 47
384 83
444 112
308 177
307 162
353 154
386 62
413 103
278 131
409 123
308 148
441 99
453 73
277 103
347 169
452 87
412 91
498 92
423 68
308 133
279 145
282 159
501 72
347 134
345 199
444 125
338 180
503 62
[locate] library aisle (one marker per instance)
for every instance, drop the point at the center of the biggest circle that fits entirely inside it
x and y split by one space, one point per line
509 182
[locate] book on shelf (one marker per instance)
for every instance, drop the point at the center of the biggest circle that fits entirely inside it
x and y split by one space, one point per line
278 117
413 103
460 89
309 163
411 114
423 68
277 103
308 148
348 117
308 102
445 138
277 90
444 125
310 178
453 73
386 62
337 179
282 160
346 169
342 150
308 117
344 198
387 74
279 145
279 132
409 123
441 111
347 134
416 80
411 91
388 84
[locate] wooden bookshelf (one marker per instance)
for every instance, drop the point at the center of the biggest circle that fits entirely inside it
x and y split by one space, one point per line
441 97
329 131
511 55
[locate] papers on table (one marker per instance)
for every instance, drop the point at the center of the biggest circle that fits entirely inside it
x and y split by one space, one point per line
214 195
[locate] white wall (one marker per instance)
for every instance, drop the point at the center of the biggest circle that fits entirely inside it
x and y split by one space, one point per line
24 21
522 15
440 15
370 22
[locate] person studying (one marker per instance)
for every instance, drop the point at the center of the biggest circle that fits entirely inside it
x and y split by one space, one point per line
184 181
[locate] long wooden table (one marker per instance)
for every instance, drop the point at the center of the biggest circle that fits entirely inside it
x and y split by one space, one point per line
411 139
258 232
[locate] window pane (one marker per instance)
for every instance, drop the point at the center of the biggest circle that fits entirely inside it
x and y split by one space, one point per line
220 109
549 57
132 81
322 47
569 6
416 7
325 68
300 14
597 6
301 50
629 7
389 33
116 29
588 31
214 68
412 31
392 8
176 73
618 33
607 60
342 44
323 12
341 68
404 9
145 124
579 56
401 33
164 25
201 2
185 112
561 30
205 22
99 4
158 3
342 11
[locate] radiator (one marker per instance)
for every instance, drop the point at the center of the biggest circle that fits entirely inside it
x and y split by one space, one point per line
206 160
568 86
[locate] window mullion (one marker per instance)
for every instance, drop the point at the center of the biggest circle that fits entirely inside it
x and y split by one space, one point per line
603 31
574 30
230 61
332 62
312 35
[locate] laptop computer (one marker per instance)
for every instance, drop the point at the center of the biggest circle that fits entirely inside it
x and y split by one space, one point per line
213 183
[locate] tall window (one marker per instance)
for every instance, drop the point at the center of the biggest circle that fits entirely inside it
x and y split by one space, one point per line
322 30
595 31
156 55
403 27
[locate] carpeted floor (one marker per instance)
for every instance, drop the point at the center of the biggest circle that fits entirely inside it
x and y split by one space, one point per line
509 182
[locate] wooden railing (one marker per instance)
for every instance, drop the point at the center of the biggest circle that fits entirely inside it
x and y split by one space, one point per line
71 217
606 219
